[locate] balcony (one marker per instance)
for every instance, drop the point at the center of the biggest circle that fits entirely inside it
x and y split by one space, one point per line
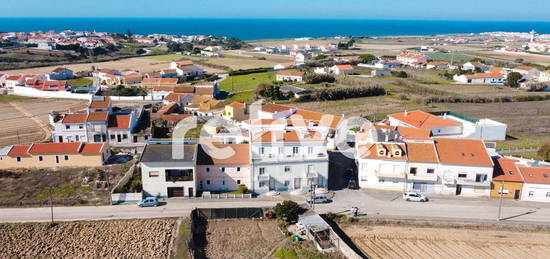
289 158
311 175
465 181
389 175
263 178
422 177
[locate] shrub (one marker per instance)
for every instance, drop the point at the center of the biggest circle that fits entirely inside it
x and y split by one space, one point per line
400 74
319 78
241 189
287 210
286 253
544 151
513 79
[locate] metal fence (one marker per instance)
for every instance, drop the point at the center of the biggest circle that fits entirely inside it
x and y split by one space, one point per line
230 213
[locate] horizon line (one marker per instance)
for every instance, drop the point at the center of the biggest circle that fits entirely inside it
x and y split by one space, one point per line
278 18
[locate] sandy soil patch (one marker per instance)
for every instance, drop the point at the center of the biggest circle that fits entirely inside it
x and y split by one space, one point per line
149 238
390 241
242 238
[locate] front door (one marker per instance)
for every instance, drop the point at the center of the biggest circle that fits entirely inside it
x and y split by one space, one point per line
516 194
458 189
190 191
60 139
118 138
297 183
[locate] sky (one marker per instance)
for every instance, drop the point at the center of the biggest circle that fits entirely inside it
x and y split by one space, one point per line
474 10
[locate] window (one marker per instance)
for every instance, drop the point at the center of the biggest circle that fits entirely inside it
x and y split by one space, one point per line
67 126
238 169
77 138
179 175
261 170
531 193
80 126
66 157
208 169
57 159
40 158
364 166
124 136
238 181
207 182
548 195
223 169
113 137
262 184
154 174
287 169
310 150
18 159
462 175
481 178
295 150
413 171
287 183
262 150
223 182
430 171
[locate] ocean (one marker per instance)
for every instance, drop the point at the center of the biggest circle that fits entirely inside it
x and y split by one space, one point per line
255 29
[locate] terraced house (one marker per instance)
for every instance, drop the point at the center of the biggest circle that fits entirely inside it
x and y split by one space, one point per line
48 155
98 123
388 160
287 161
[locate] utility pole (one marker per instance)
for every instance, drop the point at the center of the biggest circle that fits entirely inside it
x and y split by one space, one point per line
313 196
51 204
501 190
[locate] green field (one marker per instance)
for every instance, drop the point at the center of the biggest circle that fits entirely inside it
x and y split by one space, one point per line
10 98
248 82
242 97
449 57
80 82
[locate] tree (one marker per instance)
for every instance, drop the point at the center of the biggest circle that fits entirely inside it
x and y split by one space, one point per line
367 58
319 78
513 79
287 210
400 74
519 60
270 91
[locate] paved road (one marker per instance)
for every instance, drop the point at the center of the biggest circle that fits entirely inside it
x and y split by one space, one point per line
374 203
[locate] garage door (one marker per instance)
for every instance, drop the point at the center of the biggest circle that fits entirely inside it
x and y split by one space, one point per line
175 192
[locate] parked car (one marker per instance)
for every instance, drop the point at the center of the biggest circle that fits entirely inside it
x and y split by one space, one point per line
149 202
414 196
318 199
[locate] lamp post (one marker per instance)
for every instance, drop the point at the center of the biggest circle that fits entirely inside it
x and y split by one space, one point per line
501 190
51 204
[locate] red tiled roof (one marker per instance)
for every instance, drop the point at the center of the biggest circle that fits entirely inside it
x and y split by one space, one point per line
237 105
421 152
507 171
92 148
19 150
55 148
290 73
74 118
344 67
540 175
98 116
421 119
100 104
462 152
285 136
370 151
237 155
119 121
273 108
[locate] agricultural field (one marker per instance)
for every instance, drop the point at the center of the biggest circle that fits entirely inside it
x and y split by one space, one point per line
235 238
242 83
232 60
446 240
26 120
141 64
69 187
149 238
511 57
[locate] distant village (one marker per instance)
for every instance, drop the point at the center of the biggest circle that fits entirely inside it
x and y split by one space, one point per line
277 148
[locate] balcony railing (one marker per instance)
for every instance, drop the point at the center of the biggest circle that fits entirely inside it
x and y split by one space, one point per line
283 158
423 177
463 181
389 175
311 175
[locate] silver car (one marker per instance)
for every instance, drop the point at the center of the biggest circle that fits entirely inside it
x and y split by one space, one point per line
318 199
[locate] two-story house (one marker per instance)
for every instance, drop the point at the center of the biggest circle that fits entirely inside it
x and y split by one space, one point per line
165 174
288 161
223 167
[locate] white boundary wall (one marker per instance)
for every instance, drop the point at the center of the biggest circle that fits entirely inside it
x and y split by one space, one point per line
31 92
